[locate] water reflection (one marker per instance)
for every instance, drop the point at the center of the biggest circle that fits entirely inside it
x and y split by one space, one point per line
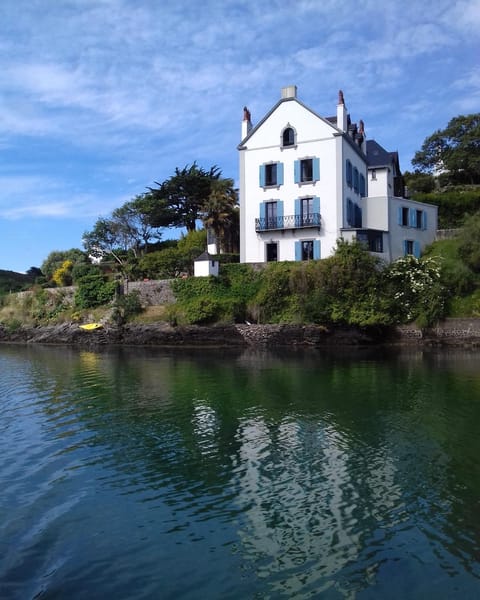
297 475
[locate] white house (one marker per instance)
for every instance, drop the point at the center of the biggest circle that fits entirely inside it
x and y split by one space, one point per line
307 180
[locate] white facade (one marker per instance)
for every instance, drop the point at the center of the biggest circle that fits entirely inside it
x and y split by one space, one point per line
205 265
304 182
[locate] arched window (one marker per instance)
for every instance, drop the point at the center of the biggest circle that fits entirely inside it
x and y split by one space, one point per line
288 137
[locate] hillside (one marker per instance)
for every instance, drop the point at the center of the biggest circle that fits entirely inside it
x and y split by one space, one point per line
10 281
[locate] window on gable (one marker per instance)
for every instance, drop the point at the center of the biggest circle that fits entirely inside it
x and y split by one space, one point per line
288 137
374 174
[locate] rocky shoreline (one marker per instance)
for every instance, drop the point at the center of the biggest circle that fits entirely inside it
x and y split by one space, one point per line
455 332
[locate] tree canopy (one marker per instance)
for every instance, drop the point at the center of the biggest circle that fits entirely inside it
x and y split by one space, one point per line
454 151
179 201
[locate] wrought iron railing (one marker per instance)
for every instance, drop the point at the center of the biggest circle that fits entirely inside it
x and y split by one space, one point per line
287 222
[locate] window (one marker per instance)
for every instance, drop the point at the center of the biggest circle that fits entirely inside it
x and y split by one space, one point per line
355 180
348 173
271 215
354 214
271 174
372 240
307 250
404 217
420 219
374 175
307 170
362 186
306 210
288 137
272 252
411 247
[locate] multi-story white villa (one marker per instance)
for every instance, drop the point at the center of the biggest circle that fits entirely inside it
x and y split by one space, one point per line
307 180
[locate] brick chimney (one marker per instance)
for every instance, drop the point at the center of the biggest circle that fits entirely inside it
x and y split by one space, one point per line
246 123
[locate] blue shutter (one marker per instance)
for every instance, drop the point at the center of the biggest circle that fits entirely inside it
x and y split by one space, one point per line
405 247
349 173
316 169
262 176
298 250
262 210
362 186
316 210
296 171
358 216
399 215
416 249
412 217
424 219
280 214
279 173
316 249
355 179
349 212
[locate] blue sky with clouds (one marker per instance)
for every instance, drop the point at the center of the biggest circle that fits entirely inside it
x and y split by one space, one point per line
100 98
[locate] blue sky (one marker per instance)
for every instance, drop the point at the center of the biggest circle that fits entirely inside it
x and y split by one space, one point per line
101 98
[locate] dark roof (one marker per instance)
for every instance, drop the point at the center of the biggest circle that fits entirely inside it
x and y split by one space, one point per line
204 256
377 156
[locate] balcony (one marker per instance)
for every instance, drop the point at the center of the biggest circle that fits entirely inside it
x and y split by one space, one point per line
288 222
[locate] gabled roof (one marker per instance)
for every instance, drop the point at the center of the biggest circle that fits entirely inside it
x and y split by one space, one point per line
272 110
378 157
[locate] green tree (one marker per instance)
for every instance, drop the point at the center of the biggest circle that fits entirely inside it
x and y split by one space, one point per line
455 149
164 264
417 182
180 199
469 242
415 290
63 275
56 258
94 290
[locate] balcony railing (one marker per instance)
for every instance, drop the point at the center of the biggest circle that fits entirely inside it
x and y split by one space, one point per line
288 222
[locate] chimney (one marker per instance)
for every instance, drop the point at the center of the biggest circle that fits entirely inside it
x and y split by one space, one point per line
341 112
289 92
246 123
363 137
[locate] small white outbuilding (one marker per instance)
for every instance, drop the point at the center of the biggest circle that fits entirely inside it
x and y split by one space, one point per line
206 264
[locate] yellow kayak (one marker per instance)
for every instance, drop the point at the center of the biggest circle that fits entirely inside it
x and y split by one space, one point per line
91 326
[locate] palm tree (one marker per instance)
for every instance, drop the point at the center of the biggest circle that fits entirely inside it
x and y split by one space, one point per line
220 213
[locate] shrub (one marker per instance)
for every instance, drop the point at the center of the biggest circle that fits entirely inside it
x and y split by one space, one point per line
126 306
94 290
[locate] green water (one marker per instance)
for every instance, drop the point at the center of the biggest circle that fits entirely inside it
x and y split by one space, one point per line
211 474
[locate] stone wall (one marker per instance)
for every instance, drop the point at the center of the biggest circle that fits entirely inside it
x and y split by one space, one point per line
152 292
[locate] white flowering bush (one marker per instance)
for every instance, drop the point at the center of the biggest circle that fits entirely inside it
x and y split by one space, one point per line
416 291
